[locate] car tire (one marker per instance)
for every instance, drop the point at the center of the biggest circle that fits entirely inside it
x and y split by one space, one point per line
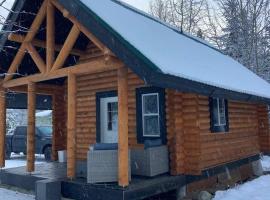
7 153
48 153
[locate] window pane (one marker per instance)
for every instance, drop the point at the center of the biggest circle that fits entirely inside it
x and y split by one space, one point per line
215 112
151 126
222 113
150 104
112 116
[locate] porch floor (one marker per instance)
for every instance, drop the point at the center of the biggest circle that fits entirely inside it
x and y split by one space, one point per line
79 189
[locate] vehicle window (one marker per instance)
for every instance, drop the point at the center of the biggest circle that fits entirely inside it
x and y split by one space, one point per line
45 130
21 130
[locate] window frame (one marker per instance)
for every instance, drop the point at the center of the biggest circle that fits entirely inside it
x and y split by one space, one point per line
215 115
152 114
146 91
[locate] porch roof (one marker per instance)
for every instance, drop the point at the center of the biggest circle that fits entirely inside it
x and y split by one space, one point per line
165 57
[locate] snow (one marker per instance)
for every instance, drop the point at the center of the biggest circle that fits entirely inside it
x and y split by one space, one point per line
5 10
176 54
20 160
258 189
265 160
13 195
45 113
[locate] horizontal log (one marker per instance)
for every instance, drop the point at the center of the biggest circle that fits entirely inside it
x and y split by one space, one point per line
97 65
42 44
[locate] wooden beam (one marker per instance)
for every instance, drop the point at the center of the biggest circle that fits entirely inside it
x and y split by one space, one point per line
31 106
94 66
2 126
43 89
29 36
71 129
15 63
123 154
36 57
39 43
84 30
68 45
50 32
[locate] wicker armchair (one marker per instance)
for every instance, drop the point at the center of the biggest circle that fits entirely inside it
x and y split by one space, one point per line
150 162
102 166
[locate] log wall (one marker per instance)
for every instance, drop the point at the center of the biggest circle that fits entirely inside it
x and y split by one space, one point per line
263 123
241 141
59 120
88 86
193 146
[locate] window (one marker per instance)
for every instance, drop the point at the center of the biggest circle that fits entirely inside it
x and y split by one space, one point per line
112 113
112 116
45 130
150 115
219 115
150 112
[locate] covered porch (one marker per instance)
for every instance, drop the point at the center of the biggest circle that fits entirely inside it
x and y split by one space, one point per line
56 65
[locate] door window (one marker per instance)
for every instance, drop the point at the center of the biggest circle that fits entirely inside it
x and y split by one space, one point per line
112 115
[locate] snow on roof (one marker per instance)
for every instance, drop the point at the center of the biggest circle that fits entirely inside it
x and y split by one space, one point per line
5 10
175 53
45 113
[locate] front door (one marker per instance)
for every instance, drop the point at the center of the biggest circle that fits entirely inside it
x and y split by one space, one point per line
109 120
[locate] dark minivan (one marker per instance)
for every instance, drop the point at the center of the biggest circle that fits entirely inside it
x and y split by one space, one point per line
16 142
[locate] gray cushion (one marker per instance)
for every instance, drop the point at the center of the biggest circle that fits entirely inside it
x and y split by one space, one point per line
152 143
105 146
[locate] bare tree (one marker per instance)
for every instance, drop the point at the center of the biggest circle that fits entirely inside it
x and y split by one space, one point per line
245 34
186 15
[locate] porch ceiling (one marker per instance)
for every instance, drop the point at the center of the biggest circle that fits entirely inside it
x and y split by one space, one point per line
19 101
22 21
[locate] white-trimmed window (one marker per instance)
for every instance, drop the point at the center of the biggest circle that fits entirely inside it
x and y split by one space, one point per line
220 108
219 115
150 115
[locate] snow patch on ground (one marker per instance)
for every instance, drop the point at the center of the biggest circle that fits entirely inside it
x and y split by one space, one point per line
265 160
13 195
258 189
19 160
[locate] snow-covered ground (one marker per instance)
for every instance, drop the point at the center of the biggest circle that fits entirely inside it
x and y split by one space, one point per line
257 189
20 160
266 163
6 194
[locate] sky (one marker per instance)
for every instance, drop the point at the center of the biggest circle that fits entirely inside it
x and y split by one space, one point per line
140 4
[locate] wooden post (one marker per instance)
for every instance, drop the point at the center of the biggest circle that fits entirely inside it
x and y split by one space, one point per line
31 105
2 127
123 155
54 151
71 126
36 57
50 56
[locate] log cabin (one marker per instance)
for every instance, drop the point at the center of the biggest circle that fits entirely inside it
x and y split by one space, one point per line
117 75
